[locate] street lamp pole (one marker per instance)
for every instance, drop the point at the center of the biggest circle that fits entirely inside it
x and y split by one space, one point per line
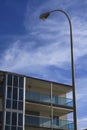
45 16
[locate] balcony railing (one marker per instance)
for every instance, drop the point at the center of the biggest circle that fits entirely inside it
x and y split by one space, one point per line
38 121
44 98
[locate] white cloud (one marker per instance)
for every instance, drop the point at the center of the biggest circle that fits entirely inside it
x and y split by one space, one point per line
82 123
53 30
81 89
20 57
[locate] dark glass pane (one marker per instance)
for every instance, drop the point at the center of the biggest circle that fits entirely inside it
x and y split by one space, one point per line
2 79
14 118
1 117
9 82
15 81
7 127
13 128
20 128
8 115
34 120
14 105
8 104
56 120
15 93
20 105
2 90
21 82
20 119
9 92
20 94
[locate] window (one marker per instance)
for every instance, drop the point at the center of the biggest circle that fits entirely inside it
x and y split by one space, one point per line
1 90
9 92
15 81
14 118
9 82
8 115
1 117
56 120
20 94
14 106
20 105
2 78
21 82
8 104
20 128
20 119
7 127
13 128
15 93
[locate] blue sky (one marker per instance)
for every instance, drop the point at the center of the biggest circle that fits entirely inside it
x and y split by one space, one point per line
41 48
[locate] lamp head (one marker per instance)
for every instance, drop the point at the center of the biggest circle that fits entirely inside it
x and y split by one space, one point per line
44 15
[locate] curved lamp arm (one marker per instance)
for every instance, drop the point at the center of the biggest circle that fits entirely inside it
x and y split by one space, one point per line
45 16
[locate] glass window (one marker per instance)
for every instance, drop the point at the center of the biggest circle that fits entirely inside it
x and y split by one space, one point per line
20 105
1 116
20 128
9 92
14 118
20 119
21 82
20 94
9 82
13 128
56 120
1 90
14 105
2 78
8 115
15 93
7 127
15 81
8 104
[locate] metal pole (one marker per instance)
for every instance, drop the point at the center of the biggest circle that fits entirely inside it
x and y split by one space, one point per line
73 78
44 16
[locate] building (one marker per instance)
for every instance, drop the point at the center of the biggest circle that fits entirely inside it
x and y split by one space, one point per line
28 103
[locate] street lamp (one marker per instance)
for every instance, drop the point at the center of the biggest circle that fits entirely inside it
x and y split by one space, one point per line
45 16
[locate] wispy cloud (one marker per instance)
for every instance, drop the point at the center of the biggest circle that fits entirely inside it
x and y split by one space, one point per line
47 41
53 30
45 48
17 55
41 61
82 123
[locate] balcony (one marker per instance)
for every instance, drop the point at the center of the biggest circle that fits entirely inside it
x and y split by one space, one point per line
44 98
45 122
